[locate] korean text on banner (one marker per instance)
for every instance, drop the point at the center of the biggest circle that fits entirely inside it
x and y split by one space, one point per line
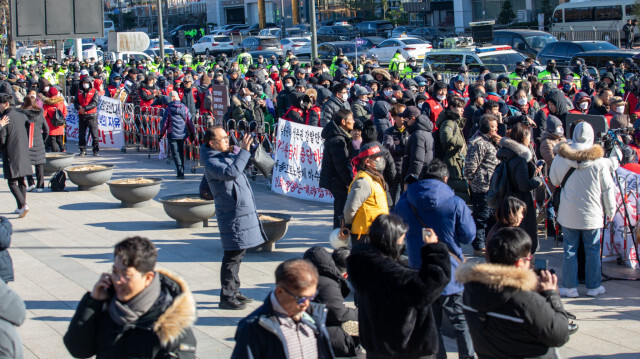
109 123
298 162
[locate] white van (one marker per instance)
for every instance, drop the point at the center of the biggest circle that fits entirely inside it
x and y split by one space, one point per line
108 26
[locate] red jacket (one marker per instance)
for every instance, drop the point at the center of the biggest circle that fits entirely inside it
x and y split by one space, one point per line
50 104
146 103
436 108
112 90
84 100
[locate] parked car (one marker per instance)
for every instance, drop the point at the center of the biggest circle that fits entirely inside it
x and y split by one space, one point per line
255 29
236 29
498 59
599 59
167 52
213 44
336 33
328 50
172 36
289 32
435 35
304 27
271 31
258 43
563 51
526 42
370 42
265 54
224 30
374 28
154 44
408 46
299 46
401 30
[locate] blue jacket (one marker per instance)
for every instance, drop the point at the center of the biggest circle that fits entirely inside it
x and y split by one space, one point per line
259 334
442 211
236 213
176 121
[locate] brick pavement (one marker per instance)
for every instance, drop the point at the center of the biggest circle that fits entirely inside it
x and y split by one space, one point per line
67 239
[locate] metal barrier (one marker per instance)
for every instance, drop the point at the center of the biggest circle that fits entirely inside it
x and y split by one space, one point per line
612 36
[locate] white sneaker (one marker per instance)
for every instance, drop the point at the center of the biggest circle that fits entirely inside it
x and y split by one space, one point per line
31 188
596 291
17 211
569 292
23 211
39 190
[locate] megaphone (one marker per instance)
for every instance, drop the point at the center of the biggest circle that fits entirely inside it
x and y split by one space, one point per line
340 237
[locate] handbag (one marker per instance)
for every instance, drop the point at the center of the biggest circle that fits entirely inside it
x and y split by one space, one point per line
263 161
558 191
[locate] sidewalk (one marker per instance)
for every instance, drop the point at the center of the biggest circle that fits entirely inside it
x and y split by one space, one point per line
67 240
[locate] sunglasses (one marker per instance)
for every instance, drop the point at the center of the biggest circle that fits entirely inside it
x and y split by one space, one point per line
300 299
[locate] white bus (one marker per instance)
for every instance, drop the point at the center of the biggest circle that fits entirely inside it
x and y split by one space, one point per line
604 15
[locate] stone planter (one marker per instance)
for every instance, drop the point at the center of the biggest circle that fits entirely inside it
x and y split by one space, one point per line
274 230
89 178
188 213
55 161
135 192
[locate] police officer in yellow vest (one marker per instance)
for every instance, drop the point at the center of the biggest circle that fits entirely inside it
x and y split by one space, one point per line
397 62
550 74
367 197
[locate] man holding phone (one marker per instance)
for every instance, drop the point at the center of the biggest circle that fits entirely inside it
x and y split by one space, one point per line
134 311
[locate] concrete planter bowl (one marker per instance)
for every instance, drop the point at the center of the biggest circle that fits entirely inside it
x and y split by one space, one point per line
189 210
55 161
89 178
274 229
135 192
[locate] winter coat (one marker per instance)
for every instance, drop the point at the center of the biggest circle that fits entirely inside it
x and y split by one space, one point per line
480 162
507 319
337 172
164 331
236 213
50 106
522 180
12 314
452 142
332 287
394 301
258 336
381 118
6 264
419 150
361 110
391 135
177 122
330 107
442 211
589 191
40 134
547 144
248 111
189 99
283 101
14 143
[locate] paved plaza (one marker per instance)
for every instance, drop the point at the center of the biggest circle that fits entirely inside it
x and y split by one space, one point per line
67 240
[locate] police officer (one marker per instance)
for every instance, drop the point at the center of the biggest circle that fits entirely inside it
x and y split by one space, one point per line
550 74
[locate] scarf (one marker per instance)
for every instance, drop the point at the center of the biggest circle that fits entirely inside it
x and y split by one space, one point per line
131 311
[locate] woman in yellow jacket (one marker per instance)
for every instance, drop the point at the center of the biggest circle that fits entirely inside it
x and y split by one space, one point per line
367 197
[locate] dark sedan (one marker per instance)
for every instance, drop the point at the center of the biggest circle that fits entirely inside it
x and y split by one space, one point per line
563 51
336 33
328 50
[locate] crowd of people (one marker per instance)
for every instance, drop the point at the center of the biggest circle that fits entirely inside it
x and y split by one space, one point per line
410 159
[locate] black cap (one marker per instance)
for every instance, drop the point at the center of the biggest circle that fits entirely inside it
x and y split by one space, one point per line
411 111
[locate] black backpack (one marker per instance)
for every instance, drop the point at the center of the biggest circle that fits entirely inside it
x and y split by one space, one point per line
58 181
499 186
58 119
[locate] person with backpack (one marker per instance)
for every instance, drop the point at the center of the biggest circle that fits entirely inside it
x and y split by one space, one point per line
55 113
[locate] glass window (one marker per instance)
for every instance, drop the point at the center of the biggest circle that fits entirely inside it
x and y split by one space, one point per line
608 13
628 10
558 50
470 60
502 40
386 44
599 45
537 42
443 58
572 49
557 17
414 42
578 14
222 39
509 59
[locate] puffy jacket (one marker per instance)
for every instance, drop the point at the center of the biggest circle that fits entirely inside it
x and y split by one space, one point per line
164 331
419 150
480 162
381 118
397 150
40 134
394 301
547 144
441 210
6 264
589 191
507 319
189 101
88 100
337 172
330 107
361 110
50 106
177 122
248 111
12 314
146 95
452 142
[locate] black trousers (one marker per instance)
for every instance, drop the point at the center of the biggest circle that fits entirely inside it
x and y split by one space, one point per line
229 279
39 177
177 152
56 143
339 200
18 190
88 122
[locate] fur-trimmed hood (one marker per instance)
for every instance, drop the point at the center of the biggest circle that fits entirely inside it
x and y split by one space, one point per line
579 158
508 145
385 74
180 315
53 100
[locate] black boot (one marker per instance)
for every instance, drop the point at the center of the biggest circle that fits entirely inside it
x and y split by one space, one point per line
231 304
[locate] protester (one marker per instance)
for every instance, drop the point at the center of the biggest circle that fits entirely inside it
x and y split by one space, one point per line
288 324
335 103
453 146
53 103
134 311
511 311
395 316
419 150
38 135
86 103
395 140
178 127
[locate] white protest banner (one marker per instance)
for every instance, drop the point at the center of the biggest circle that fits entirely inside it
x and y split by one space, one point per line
109 123
298 162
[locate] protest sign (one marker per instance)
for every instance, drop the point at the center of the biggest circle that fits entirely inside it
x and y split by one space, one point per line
109 123
220 101
298 155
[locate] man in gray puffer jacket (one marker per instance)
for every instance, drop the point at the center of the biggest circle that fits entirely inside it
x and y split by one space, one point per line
12 314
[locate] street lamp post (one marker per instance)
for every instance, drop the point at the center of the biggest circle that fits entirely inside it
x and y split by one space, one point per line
160 32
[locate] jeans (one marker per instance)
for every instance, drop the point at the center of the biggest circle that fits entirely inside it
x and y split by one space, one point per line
177 152
88 122
39 177
229 279
481 215
18 190
451 306
591 240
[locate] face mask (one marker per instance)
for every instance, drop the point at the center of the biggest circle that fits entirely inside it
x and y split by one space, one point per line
522 101
380 164
288 85
388 93
116 83
247 98
502 92
85 86
620 109
420 105
441 97
583 105
566 87
46 89
413 64
539 93
345 96
551 68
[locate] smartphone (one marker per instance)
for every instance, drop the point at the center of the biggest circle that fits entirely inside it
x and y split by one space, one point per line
426 233
541 264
